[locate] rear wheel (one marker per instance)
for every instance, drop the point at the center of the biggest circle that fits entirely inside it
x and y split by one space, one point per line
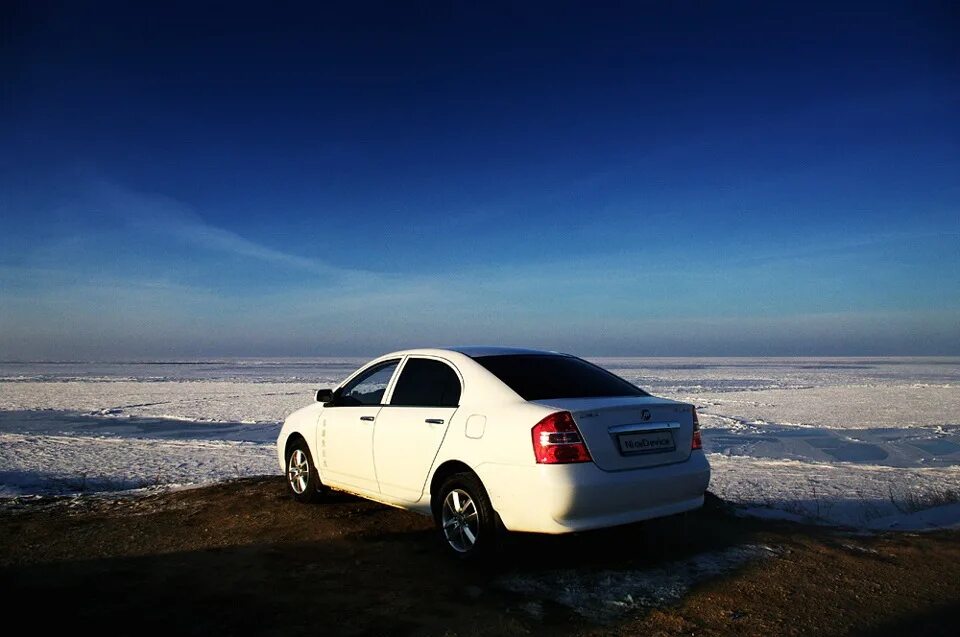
467 522
302 478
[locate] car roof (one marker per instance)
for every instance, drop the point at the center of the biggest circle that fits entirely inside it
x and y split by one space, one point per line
471 352
474 351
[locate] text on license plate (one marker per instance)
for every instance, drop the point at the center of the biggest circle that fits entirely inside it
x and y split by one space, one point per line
646 442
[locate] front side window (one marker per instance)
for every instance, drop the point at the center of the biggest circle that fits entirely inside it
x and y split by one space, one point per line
426 383
368 387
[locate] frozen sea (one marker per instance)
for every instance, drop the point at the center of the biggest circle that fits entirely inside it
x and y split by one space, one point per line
866 442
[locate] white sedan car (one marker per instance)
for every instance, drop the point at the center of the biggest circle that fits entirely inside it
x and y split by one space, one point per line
485 439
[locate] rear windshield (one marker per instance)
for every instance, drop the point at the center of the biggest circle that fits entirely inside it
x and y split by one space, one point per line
543 376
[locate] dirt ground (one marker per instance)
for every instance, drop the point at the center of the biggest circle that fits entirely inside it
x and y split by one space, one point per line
243 558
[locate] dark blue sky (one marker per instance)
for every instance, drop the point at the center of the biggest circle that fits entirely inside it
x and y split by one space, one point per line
195 179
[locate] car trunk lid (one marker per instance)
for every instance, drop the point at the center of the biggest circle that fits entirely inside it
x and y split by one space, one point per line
631 432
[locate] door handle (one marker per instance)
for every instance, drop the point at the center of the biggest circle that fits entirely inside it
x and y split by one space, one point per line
367 418
434 421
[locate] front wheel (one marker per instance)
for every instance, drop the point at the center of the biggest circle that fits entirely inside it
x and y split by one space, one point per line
467 522
302 478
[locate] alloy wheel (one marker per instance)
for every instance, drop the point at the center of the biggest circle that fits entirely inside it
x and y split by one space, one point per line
460 520
298 471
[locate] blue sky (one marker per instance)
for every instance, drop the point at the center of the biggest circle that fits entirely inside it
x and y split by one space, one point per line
306 179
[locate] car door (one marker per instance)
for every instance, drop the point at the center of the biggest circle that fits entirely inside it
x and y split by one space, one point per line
345 434
410 429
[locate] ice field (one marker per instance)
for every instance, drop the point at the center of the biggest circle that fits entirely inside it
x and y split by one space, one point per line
866 442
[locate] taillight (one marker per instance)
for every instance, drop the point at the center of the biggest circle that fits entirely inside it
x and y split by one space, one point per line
556 440
697 441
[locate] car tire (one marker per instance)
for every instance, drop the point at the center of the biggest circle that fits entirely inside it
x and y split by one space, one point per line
467 524
302 477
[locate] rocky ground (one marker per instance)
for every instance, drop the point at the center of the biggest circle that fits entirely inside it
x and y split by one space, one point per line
243 558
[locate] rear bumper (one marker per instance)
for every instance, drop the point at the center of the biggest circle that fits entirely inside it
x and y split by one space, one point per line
579 497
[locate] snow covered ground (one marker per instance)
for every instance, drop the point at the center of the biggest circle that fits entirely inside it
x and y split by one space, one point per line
871 442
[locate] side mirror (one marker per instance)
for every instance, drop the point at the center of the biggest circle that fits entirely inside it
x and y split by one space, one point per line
324 395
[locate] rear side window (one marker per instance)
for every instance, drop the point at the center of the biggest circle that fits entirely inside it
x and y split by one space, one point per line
426 383
543 376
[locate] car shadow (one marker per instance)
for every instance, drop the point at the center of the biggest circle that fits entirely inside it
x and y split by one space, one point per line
638 545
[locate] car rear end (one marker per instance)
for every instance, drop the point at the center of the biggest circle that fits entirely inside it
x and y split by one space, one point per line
598 461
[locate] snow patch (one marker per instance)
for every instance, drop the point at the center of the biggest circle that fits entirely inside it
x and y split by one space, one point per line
605 595
862 496
65 465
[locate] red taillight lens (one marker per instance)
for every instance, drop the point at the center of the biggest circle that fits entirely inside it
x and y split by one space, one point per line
556 440
697 441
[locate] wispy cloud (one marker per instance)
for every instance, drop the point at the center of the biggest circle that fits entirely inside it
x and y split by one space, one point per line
816 251
160 214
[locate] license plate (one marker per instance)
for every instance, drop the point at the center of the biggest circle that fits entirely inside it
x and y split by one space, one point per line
646 442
